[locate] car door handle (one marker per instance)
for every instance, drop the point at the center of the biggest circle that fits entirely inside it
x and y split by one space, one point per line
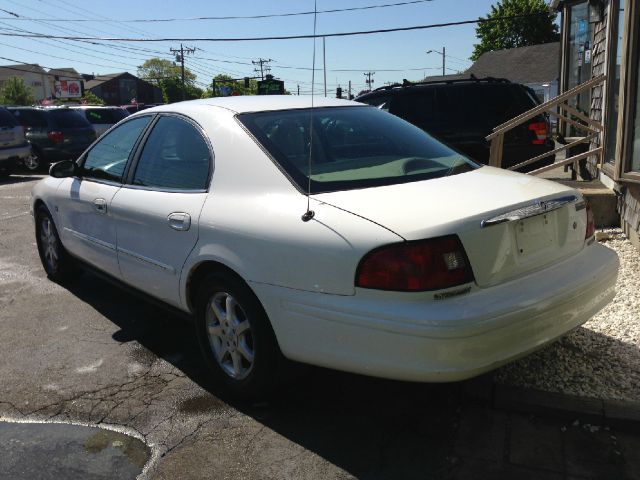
101 205
179 221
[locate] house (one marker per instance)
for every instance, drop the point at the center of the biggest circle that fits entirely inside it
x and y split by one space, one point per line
123 88
34 76
536 66
603 37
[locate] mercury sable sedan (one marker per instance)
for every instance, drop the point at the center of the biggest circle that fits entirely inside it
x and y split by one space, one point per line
338 235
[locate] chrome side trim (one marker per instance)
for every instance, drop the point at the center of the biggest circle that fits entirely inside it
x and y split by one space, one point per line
537 208
93 240
150 261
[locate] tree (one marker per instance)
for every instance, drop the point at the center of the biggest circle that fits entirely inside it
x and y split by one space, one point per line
221 80
15 92
168 76
91 98
516 32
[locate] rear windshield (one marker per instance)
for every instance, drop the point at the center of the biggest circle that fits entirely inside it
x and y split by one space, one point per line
353 147
30 117
68 119
6 119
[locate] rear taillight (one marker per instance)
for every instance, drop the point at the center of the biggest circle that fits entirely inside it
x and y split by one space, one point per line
540 131
55 136
591 224
417 266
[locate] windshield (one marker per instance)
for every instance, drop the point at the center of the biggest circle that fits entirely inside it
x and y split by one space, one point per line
353 147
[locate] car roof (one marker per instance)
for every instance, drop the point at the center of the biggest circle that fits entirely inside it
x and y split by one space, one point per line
105 107
258 103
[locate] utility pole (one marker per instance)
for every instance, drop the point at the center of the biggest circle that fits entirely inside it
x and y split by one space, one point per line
298 89
180 58
444 58
264 65
369 80
350 97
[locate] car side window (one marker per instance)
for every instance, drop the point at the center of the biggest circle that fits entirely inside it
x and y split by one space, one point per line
108 158
175 156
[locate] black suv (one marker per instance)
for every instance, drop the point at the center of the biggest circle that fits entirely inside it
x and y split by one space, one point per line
55 133
461 113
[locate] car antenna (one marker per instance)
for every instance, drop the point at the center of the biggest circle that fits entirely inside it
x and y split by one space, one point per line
309 214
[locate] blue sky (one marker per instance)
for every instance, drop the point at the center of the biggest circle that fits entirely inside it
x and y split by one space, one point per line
404 51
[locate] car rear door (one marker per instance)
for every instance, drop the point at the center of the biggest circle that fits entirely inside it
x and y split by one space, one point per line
158 208
83 203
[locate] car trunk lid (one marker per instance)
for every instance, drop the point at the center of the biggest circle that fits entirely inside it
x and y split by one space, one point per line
472 205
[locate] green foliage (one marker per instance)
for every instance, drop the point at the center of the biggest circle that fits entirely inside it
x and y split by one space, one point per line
91 98
168 76
15 92
516 32
222 80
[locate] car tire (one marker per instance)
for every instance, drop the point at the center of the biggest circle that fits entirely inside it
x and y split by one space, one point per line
56 261
33 162
236 338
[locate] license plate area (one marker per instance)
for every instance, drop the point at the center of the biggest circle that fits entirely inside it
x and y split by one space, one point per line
536 234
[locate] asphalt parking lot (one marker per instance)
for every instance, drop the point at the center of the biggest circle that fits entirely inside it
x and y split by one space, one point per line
90 353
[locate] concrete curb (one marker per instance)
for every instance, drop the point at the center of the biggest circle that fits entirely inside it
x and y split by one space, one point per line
624 415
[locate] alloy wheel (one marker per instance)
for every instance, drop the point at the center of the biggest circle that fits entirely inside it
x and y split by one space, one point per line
230 335
32 162
49 244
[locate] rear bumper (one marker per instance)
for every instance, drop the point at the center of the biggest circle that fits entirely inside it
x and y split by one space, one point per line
412 337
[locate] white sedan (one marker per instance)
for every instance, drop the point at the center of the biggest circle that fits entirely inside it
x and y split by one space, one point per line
338 235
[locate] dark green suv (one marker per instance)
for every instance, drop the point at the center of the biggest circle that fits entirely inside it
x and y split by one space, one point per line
461 113
55 133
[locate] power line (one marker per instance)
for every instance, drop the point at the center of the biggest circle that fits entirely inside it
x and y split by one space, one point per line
286 37
231 17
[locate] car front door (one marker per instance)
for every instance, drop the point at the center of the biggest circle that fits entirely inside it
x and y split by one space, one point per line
158 208
86 223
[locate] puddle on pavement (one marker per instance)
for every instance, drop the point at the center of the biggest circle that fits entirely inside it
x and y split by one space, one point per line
34 451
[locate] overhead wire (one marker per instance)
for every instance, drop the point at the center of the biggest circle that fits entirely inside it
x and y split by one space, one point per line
288 37
236 17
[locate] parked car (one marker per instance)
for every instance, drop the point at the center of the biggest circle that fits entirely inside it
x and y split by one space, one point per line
368 246
461 113
14 147
100 117
55 133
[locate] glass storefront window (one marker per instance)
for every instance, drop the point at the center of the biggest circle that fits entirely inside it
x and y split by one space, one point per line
635 158
614 89
580 49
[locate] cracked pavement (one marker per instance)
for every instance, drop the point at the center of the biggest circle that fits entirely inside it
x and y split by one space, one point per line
90 353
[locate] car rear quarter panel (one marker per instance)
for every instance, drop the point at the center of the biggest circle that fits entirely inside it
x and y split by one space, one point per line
251 221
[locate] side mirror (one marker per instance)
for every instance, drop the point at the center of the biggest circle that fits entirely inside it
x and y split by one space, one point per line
63 169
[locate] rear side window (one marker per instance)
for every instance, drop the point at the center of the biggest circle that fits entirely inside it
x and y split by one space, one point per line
68 119
30 118
175 156
96 115
6 119
108 157
484 105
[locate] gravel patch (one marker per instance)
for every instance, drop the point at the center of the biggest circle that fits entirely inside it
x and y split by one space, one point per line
601 359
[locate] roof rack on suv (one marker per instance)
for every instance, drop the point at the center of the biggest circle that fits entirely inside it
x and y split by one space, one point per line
471 79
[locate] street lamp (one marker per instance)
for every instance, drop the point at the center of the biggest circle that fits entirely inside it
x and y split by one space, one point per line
444 56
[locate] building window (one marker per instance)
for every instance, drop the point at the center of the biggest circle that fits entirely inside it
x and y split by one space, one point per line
616 32
580 49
